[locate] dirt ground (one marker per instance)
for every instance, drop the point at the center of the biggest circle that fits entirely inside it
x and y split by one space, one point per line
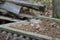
44 27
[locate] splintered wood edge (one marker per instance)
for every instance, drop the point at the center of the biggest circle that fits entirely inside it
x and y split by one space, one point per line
7 18
30 34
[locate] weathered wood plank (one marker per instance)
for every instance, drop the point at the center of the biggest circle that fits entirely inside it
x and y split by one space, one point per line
7 18
32 5
56 8
29 34
53 19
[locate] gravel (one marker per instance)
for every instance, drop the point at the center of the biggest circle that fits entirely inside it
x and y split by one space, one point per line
12 36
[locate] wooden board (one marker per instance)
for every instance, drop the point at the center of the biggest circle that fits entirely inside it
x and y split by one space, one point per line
29 34
7 18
